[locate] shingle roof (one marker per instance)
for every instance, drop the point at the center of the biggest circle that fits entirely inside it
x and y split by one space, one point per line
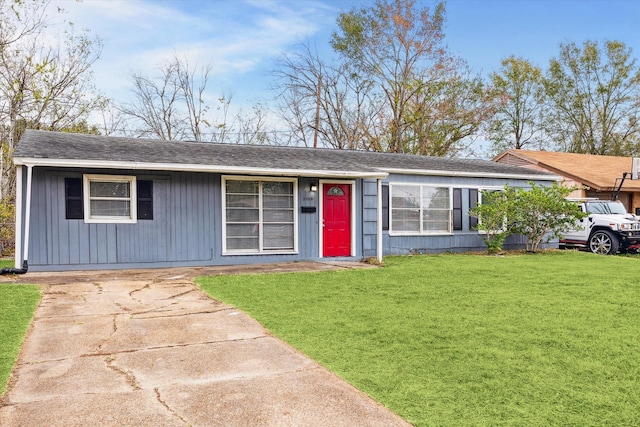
44 148
598 172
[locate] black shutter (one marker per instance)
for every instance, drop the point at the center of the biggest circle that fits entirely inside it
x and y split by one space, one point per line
457 208
473 202
74 205
144 190
385 206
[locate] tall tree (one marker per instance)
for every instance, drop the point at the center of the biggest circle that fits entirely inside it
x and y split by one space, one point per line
443 118
518 121
399 48
594 99
170 106
324 104
177 105
20 20
41 86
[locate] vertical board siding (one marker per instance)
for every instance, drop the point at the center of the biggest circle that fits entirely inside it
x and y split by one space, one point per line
459 240
369 217
182 228
308 223
187 224
40 245
191 221
147 240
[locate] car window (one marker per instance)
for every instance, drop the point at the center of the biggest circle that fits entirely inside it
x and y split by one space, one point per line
606 208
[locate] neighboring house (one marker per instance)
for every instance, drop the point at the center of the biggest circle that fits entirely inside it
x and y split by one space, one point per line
95 202
597 176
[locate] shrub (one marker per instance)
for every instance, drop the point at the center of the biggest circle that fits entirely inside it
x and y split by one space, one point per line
539 213
7 228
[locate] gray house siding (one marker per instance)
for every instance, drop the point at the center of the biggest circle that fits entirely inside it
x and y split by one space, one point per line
463 240
186 229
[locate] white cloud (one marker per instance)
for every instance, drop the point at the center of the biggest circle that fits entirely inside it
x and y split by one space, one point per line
238 38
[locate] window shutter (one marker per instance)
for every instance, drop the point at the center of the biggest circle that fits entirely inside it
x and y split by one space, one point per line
473 202
144 192
457 208
385 206
74 205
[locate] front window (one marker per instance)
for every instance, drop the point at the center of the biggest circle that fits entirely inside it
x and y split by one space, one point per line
109 198
606 208
259 215
420 209
489 197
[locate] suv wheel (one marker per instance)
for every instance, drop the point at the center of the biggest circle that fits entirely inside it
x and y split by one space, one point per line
603 242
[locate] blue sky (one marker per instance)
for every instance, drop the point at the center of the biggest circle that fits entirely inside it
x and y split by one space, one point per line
242 38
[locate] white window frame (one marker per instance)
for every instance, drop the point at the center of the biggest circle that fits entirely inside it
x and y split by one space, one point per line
480 190
420 232
260 250
132 218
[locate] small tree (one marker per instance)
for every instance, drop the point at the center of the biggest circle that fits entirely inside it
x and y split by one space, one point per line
542 213
539 213
494 214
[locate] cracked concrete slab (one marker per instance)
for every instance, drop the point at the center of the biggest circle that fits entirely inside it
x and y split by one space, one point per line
54 338
210 363
48 380
137 408
149 348
304 398
137 333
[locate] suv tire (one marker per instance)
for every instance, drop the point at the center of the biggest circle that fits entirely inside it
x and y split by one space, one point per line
603 242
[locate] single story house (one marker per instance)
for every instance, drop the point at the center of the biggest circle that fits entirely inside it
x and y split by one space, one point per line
98 202
597 176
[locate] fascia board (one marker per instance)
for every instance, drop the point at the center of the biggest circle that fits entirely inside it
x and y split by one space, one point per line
472 174
177 167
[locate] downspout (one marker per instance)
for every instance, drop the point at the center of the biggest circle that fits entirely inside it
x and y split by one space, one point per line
379 236
27 220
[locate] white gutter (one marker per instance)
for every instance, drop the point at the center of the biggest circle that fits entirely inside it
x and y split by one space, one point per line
472 174
19 205
20 252
178 167
27 215
379 236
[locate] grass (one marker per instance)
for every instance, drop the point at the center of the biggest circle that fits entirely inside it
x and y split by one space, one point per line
17 305
522 340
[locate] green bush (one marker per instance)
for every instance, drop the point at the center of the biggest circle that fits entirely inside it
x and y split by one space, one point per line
7 228
540 213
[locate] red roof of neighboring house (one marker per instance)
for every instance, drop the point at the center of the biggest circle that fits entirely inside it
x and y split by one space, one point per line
597 172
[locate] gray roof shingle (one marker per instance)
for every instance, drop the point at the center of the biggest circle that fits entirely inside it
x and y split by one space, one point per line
44 148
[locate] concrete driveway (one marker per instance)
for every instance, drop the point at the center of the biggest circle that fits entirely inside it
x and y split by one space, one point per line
148 348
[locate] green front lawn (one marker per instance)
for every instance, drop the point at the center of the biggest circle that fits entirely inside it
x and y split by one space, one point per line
17 305
444 340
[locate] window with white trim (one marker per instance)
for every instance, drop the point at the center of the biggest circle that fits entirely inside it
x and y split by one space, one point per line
109 198
260 215
484 198
420 209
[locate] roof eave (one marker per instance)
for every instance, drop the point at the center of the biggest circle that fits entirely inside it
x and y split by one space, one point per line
473 174
178 167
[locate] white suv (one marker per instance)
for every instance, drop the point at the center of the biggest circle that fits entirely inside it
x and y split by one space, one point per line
607 230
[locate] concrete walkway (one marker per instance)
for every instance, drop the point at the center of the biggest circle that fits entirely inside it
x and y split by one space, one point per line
150 349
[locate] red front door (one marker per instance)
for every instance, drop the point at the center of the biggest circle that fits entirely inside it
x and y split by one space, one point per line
336 215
